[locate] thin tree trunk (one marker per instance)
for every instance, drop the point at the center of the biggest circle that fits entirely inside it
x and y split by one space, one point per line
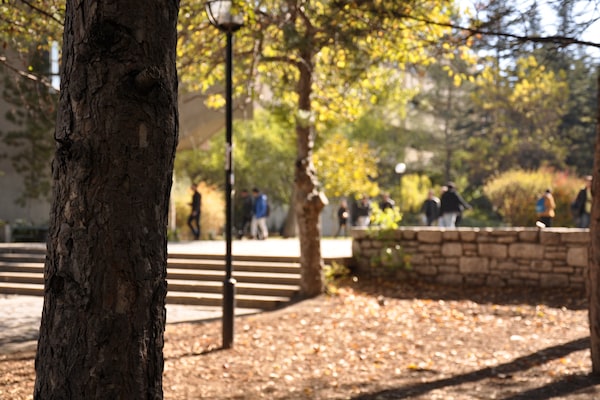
103 320
593 281
309 200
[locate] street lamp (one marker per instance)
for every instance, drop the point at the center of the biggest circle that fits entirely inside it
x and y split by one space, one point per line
220 15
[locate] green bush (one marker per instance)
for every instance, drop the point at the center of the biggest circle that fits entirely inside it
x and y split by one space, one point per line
513 195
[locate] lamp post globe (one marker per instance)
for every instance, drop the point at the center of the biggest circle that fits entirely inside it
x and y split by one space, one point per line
220 15
400 168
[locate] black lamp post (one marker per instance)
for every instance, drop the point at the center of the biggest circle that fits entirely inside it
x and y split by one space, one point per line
219 15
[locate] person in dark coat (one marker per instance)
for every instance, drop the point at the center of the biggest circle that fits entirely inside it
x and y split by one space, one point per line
451 206
194 217
245 214
431 208
582 207
342 214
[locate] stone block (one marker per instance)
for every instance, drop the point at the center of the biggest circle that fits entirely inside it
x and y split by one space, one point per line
530 235
578 256
450 279
445 260
452 249
448 269
356 247
470 246
507 239
542 266
495 281
564 270
507 266
430 236
418 258
426 270
526 250
527 275
555 254
451 236
550 237
554 280
431 249
498 251
376 244
581 236
469 236
409 234
475 280
473 265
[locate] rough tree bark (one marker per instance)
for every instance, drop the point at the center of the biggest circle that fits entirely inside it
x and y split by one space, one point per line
103 320
309 199
593 282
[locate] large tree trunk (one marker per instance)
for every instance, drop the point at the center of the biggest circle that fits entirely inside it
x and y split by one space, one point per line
309 200
593 282
103 320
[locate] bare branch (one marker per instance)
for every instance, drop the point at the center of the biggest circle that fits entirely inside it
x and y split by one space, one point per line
36 78
43 12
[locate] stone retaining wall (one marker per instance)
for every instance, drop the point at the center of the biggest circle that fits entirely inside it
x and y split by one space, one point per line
499 257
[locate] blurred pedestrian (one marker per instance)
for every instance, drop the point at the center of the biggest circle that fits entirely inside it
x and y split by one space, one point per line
196 207
582 207
546 210
363 211
260 210
245 214
431 208
342 214
386 202
451 206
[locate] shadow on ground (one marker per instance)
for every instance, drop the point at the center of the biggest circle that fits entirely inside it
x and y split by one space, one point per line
562 387
571 299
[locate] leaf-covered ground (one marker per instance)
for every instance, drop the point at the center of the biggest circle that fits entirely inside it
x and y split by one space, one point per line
372 340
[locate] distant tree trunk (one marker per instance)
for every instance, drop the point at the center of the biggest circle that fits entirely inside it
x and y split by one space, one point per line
593 282
309 200
103 320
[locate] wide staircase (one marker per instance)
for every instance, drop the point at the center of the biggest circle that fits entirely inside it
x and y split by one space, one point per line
263 283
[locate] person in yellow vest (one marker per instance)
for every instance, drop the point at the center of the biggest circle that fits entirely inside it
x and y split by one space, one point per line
582 207
546 215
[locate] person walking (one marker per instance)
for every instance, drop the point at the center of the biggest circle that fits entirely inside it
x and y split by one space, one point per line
363 212
386 202
451 206
431 208
547 212
342 214
258 226
582 207
196 207
245 214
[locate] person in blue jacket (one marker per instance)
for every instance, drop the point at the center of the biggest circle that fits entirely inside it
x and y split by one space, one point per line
260 212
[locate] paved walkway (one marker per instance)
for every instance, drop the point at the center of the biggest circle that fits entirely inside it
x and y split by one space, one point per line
20 315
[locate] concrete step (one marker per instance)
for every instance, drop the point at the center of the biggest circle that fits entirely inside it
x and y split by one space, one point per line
173 297
22 267
213 299
260 289
22 258
185 298
22 277
261 283
237 265
240 276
